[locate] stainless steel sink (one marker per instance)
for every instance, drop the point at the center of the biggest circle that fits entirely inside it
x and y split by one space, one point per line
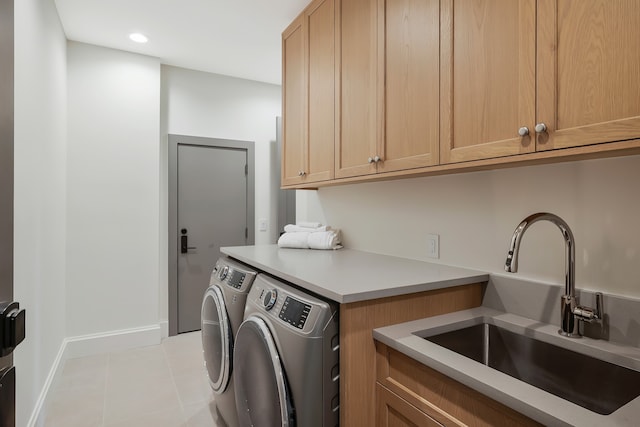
599 386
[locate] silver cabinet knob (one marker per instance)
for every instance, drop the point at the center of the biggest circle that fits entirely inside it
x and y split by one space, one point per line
377 159
370 160
541 127
302 173
523 131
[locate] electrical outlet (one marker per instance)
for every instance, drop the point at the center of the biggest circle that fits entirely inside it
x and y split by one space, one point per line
262 224
433 246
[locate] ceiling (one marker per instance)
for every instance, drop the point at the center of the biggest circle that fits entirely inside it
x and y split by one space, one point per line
239 38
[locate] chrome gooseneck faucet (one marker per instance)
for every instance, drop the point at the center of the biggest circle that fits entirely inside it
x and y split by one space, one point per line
570 312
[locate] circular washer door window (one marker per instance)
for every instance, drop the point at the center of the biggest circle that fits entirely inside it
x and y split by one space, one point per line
262 394
217 340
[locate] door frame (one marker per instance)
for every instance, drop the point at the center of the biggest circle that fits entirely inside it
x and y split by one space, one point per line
172 236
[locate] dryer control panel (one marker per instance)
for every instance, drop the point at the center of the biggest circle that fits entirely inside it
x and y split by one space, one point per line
289 307
294 312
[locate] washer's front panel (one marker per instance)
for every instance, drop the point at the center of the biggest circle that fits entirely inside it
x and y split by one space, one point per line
305 331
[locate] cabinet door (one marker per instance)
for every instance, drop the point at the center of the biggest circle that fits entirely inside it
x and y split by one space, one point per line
357 102
588 71
488 50
293 103
394 411
320 43
410 46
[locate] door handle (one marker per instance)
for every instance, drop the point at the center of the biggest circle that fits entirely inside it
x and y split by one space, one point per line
12 327
184 242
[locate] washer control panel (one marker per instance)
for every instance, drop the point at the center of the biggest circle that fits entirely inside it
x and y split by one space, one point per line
224 272
270 299
236 278
227 273
294 312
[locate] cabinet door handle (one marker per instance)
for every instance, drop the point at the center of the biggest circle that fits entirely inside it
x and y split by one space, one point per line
302 173
370 160
376 159
523 131
541 127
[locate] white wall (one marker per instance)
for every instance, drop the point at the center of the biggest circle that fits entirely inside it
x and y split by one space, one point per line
113 191
476 214
214 106
39 230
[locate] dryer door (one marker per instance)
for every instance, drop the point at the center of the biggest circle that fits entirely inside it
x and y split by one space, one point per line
217 339
262 393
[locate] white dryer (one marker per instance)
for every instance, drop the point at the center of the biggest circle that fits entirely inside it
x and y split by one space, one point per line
287 358
222 313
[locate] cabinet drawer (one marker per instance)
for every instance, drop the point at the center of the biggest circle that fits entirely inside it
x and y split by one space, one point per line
393 411
442 398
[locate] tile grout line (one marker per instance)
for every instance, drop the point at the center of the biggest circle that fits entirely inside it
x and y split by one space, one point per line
173 381
106 380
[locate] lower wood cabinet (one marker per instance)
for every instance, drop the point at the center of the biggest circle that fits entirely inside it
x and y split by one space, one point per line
394 411
358 349
412 394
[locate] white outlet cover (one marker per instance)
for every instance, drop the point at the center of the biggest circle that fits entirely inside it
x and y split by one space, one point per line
433 246
262 224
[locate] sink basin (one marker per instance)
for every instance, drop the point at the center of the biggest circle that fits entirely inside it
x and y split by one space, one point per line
599 386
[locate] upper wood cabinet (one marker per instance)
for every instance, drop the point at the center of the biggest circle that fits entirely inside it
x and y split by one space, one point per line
389 85
409 34
588 72
309 95
405 87
487 78
357 102
293 103
576 85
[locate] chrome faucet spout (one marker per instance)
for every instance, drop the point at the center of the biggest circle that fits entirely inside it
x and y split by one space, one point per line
570 312
511 265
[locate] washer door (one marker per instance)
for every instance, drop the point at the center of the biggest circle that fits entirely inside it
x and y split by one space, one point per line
217 339
262 393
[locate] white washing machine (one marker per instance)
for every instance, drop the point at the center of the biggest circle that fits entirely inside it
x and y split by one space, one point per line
287 358
222 313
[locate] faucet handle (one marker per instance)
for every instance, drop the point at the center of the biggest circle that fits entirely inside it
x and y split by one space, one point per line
589 314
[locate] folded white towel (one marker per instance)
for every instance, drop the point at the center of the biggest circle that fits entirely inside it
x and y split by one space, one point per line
324 240
294 240
294 228
308 224
311 240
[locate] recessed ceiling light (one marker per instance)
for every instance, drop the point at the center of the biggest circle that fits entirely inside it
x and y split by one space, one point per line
138 38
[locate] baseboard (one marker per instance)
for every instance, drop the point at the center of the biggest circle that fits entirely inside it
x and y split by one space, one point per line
164 329
38 415
87 345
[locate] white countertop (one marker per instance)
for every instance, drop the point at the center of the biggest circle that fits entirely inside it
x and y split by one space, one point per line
347 275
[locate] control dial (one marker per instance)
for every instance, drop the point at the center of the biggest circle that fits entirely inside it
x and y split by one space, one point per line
270 299
223 272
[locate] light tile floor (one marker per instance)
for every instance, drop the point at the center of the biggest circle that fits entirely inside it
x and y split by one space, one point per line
161 386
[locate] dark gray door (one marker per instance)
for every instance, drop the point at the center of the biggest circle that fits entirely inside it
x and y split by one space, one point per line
212 212
7 371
